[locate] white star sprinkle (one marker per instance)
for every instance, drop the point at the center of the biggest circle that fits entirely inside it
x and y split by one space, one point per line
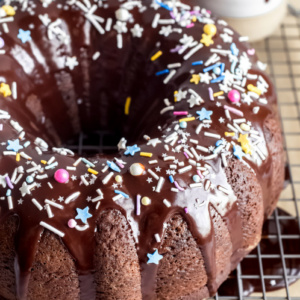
221 120
154 142
166 30
71 62
205 77
137 31
149 180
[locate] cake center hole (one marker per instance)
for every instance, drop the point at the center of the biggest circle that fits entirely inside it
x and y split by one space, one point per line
95 142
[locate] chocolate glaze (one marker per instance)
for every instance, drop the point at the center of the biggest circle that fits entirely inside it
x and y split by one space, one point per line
54 103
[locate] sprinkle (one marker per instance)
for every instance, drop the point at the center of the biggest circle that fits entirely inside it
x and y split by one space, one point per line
72 197
254 89
159 184
171 178
146 201
207 185
54 204
72 223
121 193
157 237
174 65
76 163
87 162
165 71
203 149
53 229
227 134
197 63
166 203
18 156
107 178
168 158
96 55
234 110
164 110
218 94
154 258
61 176
178 186
138 205
255 109
71 168
185 169
211 94
175 190
10 203
14 90
49 211
187 119
180 113
194 185
83 214
146 154
132 150
156 55
213 135
152 162
92 171
7 179
192 51
153 174
37 204
169 77
223 189
127 105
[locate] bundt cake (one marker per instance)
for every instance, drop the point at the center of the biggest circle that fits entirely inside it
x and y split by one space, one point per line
199 168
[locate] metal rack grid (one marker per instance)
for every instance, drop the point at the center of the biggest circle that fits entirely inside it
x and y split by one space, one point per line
282 53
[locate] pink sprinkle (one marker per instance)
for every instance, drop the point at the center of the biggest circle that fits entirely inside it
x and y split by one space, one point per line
180 113
120 165
61 176
190 25
234 110
186 155
200 174
234 96
208 11
251 51
138 204
178 186
172 15
211 94
186 210
72 223
10 185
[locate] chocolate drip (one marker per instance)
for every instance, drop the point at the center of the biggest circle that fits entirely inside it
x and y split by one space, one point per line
101 89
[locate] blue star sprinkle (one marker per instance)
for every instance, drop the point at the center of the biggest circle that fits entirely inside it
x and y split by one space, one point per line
238 152
132 150
83 214
14 145
154 258
24 35
204 114
113 166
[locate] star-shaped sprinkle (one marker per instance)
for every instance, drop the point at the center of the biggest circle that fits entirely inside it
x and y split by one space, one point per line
137 31
195 78
89 198
243 139
238 152
154 142
83 214
180 95
24 35
120 27
204 114
206 40
221 120
154 258
24 189
5 89
149 180
194 101
20 201
60 199
73 177
166 30
226 38
71 62
205 77
14 145
132 150
246 99
113 166
157 169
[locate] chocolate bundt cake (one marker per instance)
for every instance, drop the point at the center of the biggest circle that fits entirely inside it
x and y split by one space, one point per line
200 167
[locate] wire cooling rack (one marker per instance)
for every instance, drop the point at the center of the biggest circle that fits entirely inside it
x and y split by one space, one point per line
280 245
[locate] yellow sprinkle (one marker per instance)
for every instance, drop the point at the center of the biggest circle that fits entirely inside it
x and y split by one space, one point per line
175 97
218 94
194 19
92 171
5 89
44 162
156 55
187 119
195 78
245 127
254 89
147 154
229 133
9 10
18 157
127 105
